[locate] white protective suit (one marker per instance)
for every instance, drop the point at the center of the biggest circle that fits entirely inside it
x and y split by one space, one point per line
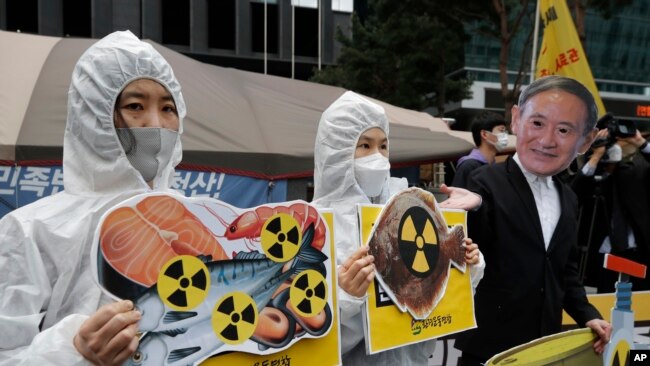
46 288
335 187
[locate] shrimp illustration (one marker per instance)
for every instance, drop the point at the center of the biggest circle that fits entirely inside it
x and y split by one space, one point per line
248 225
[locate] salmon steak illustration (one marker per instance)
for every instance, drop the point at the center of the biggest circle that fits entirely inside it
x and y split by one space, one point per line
138 241
414 251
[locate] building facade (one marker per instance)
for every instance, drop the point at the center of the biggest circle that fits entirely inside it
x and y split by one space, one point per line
230 33
292 38
618 51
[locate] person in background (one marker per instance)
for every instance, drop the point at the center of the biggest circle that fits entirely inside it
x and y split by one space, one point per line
490 136
122 138
526 224
612 188
352 167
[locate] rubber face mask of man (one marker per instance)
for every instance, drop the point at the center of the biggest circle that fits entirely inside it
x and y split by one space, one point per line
371 166
147 124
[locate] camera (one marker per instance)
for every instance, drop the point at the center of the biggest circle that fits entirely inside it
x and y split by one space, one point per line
617 127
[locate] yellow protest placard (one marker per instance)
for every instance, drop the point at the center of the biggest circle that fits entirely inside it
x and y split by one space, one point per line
387 327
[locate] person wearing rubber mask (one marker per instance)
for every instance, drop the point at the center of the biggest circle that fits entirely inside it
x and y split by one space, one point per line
351 167
122 138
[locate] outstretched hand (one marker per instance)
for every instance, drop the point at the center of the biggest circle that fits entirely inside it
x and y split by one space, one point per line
459 198
357 272
109 336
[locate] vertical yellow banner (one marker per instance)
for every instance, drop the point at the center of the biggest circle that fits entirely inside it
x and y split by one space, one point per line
308 351
388 327
562 52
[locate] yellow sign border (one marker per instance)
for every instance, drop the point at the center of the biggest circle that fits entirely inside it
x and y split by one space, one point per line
387 327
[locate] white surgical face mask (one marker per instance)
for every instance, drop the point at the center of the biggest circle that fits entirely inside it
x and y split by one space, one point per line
371 173
502 140
149 149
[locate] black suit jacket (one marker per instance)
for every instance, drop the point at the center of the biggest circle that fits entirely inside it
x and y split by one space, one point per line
525 286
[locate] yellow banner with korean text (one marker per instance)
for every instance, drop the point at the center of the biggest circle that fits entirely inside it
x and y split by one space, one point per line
387 327
561 52
324 351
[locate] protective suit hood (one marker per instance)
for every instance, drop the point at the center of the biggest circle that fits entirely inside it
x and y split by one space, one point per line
93 158
339 129
336 187
47 289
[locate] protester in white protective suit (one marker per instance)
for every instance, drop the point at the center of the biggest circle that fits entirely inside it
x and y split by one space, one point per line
351 167
51 310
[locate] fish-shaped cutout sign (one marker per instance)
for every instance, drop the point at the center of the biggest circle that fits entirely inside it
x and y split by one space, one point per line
414 250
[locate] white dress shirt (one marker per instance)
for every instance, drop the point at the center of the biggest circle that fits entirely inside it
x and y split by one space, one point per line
547 201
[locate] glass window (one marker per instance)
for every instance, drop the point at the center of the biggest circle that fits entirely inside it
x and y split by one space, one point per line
76 18
222 24
306 32
257 25
337 5
176 22
22 15
343 5
305 3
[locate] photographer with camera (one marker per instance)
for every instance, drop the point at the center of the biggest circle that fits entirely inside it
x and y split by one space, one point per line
613 191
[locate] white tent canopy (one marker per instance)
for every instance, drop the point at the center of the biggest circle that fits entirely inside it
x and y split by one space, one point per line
242 122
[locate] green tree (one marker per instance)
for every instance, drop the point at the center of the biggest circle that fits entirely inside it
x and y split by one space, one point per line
504 21
402 53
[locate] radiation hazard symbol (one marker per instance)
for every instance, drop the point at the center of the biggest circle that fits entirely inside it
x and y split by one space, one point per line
281 237
183 282
308 293
418 241
234 318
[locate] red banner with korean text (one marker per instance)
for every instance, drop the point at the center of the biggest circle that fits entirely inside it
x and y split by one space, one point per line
562 52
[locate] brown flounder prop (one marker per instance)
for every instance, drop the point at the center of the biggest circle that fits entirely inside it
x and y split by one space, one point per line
414 250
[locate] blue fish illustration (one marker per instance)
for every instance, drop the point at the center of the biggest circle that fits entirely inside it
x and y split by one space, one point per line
249 272
185 337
